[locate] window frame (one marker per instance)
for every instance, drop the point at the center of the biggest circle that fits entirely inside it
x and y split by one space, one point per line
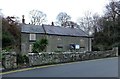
32 36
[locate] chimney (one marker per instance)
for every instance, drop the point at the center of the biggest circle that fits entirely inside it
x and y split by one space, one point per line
52 23
72 26
23 19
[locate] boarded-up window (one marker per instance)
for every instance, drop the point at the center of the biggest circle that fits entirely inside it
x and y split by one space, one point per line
32 36
82 43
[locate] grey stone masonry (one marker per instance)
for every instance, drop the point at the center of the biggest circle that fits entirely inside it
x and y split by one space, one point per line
9 60
52 57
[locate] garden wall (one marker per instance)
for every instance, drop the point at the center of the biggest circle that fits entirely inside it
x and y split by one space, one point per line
53 57
9 58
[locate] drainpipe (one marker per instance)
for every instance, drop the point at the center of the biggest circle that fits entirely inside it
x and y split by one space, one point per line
44 31
89 41
45 36
88 44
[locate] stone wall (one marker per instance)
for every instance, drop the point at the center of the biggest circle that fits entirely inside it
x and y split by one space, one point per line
52 57
9 60
54 42
64 42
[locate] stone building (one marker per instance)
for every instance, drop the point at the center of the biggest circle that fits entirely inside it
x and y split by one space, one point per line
59 38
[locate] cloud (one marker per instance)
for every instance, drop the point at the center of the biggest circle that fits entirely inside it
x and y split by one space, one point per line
75 8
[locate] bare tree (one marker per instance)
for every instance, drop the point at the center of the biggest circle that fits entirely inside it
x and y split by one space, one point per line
37 17
62 18
113 17
71 24
90 22
113 8
96 23
86 22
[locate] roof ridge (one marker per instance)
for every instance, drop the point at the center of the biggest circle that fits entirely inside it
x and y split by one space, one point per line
56 30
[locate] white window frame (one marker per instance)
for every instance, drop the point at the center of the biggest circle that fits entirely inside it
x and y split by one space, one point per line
32 36
77 46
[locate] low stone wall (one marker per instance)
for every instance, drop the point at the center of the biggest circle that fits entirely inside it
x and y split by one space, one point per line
9 60
52 57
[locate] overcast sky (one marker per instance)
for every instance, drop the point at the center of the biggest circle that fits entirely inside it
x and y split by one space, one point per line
74 8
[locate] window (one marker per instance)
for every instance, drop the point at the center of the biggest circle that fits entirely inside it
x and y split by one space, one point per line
58 38
77 46
30 48
32 36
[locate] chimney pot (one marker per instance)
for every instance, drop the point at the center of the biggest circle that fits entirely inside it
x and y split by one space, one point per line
23 19
52 23
72 26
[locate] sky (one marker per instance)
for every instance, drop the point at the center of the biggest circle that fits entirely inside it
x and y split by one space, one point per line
74 8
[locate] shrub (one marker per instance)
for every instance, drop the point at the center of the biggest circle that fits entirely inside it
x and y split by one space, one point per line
6 40
26 59
40 45
20 59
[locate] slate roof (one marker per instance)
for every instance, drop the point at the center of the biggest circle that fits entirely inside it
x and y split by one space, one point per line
52 30
28 28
